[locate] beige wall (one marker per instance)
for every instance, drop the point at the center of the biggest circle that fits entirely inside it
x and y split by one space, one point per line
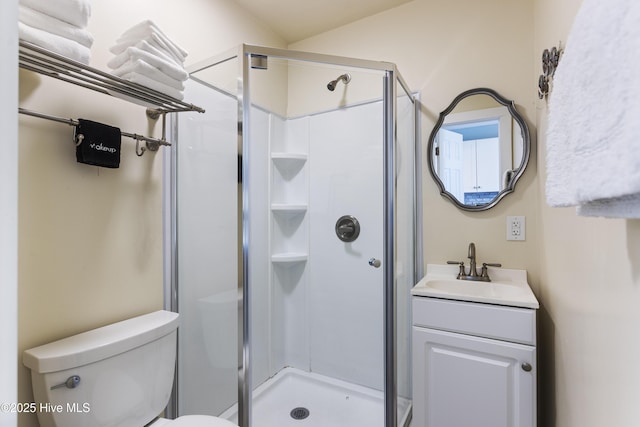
441 52
90 239
590 290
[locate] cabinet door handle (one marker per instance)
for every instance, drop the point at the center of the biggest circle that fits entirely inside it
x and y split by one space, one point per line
526 367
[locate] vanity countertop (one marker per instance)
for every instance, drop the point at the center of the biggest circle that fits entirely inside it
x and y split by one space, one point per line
507 287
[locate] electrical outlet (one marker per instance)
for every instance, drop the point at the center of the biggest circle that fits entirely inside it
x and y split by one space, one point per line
515 228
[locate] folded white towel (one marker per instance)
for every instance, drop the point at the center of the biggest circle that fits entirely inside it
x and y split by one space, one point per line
132 53
76 12
150 47
57 44
48 23
160 43
140 67
153 84
593 155
153 41
146 29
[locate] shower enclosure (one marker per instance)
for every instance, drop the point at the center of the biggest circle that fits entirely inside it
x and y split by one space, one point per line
291 240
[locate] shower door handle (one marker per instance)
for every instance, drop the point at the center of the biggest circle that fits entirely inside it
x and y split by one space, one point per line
373 262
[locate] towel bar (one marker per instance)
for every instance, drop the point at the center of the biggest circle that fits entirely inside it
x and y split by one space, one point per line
47 63
153 144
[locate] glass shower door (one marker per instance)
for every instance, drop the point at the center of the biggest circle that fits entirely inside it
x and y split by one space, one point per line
206 249
314 185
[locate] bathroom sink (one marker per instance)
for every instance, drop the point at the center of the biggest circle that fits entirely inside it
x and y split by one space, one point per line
466 287
508 287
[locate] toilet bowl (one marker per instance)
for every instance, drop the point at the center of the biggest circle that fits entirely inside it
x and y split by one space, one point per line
117 375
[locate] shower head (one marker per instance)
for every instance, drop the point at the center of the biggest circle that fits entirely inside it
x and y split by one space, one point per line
346 78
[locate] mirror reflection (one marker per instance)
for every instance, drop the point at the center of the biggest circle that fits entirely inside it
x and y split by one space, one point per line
478 149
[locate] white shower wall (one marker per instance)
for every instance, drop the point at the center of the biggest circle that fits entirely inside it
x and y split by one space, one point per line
345 292
323 314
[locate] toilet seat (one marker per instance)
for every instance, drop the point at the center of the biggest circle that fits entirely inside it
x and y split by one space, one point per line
193 421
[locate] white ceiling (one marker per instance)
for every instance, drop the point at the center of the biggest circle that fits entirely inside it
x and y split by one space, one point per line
296 20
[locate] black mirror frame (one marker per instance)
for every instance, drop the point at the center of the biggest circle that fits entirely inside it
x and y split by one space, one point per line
517 173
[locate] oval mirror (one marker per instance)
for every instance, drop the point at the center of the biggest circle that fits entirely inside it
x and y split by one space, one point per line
478 149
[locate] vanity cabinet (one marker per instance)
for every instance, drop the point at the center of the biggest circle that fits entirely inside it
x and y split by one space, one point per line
474 364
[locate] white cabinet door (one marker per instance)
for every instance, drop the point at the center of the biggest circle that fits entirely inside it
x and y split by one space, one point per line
470 163
481 165
487 164
465 381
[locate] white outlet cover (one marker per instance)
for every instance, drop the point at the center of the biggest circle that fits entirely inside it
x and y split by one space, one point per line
516 228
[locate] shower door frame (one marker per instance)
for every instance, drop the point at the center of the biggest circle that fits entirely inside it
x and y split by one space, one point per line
391 77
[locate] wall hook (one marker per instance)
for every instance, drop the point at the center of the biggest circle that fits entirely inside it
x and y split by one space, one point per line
550 60
139 150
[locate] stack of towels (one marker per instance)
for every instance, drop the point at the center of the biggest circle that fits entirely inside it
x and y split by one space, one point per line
58 26
146 56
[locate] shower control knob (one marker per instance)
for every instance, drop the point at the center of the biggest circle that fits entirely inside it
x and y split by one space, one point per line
347 228
375 263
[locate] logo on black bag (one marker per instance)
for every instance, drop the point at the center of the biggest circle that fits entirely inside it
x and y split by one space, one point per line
100 147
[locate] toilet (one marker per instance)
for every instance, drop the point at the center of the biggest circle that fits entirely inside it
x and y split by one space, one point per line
117 375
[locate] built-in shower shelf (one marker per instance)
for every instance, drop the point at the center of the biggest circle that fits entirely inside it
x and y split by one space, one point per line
289 258
289 163
288 209
289 157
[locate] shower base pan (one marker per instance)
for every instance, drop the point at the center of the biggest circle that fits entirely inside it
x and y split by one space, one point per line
295 398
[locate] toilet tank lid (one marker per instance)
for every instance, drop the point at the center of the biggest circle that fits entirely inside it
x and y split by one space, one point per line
101 343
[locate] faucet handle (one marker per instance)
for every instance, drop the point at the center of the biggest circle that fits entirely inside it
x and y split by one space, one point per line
484 268
489 264
461 272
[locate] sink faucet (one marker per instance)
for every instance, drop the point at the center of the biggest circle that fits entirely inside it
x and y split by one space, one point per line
472 260
473 271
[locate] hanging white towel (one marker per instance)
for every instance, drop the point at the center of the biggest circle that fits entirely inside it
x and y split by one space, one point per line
60 45
48 23
593 137
621 207
76 12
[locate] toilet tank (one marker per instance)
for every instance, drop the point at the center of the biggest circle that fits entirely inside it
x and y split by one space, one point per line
117 375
